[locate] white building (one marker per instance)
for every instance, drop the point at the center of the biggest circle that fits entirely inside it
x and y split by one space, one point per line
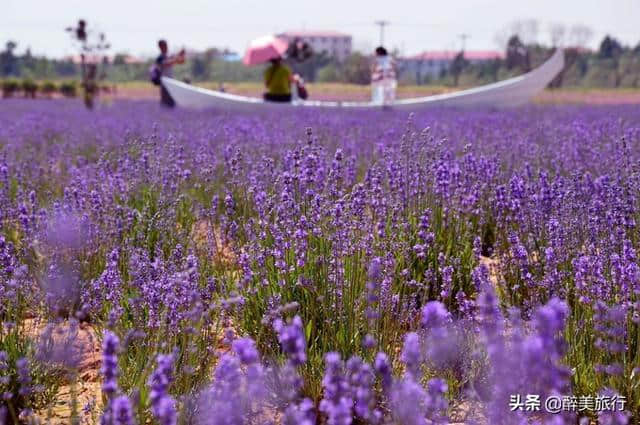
335 44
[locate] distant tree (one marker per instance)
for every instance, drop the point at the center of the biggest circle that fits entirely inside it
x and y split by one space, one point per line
29 88
526 30
420 79
65 68
557 33
517 55
200 67
458 64
48 88
28 61
579 35
501 38
612 51
489 69
357 69
8 60
305 61
330 73
89 45
610 48
9 87
572 57
120 59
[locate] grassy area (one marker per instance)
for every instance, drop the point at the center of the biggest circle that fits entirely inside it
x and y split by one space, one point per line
343 91
325 91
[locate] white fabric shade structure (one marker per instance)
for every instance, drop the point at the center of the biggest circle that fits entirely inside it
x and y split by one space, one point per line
511 92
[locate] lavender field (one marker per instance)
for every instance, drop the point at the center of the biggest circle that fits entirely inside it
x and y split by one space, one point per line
206 268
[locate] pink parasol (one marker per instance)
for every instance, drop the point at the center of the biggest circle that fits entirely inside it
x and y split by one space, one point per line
262 49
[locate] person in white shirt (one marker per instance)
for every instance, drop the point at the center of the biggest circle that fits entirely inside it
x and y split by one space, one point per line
383 78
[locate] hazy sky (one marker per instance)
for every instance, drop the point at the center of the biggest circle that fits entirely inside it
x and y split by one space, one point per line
133 26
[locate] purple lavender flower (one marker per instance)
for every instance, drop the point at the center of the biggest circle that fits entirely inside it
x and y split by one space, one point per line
60 345
109 369
412 354
407 400
368 341
434 314
162 405
24 376
245 348
299 413
122 411
361 381
165 411
613 416
382 367
337 402
292 340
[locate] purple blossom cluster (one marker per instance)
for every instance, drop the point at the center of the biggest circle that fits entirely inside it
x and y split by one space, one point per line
349 268
163 406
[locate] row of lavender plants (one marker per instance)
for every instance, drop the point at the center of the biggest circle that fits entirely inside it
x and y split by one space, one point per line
319 268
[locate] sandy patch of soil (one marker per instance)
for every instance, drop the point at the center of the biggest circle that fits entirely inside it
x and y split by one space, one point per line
209 237
86 389
493 265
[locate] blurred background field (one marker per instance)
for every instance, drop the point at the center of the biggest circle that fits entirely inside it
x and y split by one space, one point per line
609 73
138 90
343 91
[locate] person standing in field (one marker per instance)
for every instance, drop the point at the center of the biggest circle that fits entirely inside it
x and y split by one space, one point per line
277 80
163 67
383 78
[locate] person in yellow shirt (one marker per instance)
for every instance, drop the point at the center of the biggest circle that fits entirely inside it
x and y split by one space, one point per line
277 80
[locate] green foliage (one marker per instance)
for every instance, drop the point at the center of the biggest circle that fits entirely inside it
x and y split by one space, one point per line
357 69
9 87
29 88
613 65
457 66
48 88
44 379
69 89
330 73
310 67
610 48
9 64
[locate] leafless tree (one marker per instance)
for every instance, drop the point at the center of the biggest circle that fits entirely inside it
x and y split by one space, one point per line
92 46
525 29
501 38
580 35
557 32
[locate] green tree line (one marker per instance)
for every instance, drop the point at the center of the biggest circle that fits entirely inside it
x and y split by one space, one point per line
612 65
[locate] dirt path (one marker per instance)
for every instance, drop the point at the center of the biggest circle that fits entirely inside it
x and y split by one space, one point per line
84 345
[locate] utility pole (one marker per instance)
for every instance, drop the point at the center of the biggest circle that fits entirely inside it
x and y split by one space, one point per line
382 24
463 38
